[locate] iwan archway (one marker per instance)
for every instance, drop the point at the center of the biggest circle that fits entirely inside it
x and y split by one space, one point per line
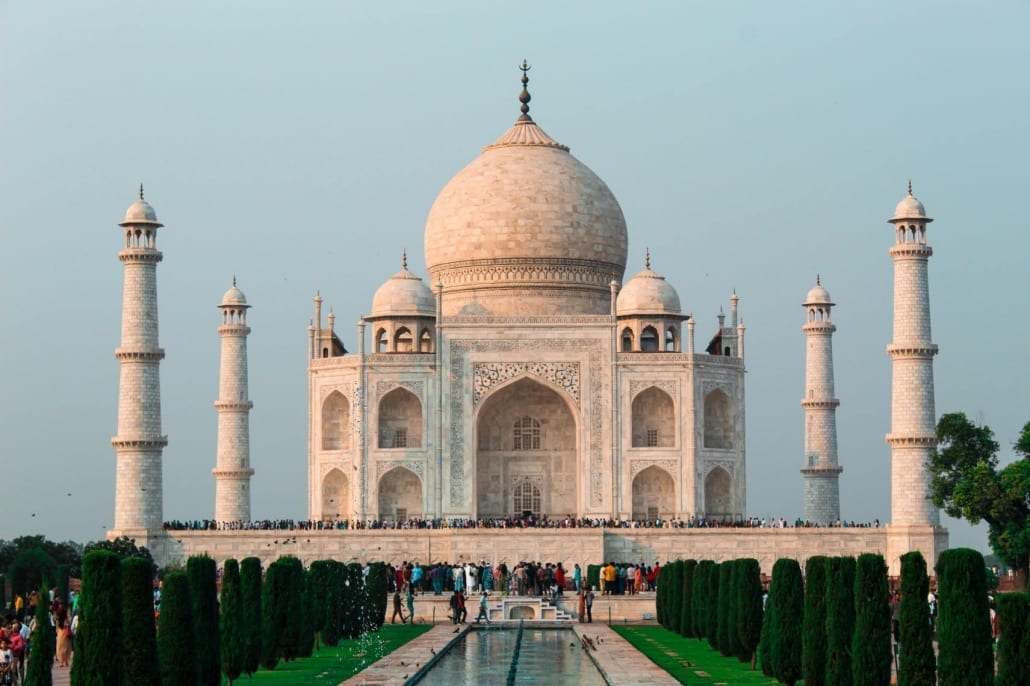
527 453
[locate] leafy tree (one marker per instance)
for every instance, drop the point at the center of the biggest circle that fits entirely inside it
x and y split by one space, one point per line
3 593
250 590
63 553
203 575
1014 642
963 621
785 639
231 628
813 633
871 642
968 484
917 664
712 606
698 597
44 644
749 607
100 623
30 569
139 655
176 645
687 598
123 547
840 620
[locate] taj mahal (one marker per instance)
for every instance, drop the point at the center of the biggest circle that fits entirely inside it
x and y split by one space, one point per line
527 377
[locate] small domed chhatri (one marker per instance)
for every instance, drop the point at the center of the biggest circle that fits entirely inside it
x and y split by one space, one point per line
648 293
140 212
909 208
818 295
403 294
526 214
234 297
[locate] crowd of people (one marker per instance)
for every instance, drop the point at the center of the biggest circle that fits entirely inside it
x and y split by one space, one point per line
545 522
19 627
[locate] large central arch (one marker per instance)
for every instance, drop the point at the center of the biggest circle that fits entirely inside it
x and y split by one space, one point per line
526 452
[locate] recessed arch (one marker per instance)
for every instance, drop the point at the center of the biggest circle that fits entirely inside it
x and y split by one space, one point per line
403 341
627 340
335 422
335 495
654 494
718 494
382 341
425 342
718 413
654 419
672 340
400 420
400 495
649 340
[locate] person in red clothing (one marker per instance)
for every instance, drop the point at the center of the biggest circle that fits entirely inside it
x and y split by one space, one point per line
559 578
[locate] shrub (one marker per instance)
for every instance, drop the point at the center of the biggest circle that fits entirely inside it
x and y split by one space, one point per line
787 594
203 575
176 645
963 623
100 624
917 664
250 590
687 598
749 607
871 642
1014 642
231 627
139 655
813 633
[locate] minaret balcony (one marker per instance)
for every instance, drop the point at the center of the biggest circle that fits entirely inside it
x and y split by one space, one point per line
820 404
140 443
910 250
145 255
895 440
912 350
233 404
146 355
233 473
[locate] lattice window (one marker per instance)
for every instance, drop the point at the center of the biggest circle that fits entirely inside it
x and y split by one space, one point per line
400 438
402 514
652 513
527 497
652 438
526 435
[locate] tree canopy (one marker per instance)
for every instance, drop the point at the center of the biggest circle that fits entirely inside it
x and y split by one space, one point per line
967 483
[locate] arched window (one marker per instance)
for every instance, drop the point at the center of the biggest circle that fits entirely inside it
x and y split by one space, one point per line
627 340
382 341
526 435
654 419
400 420
649 340
335 422
403 341
718 493
526 498
718 421
670 340
425 342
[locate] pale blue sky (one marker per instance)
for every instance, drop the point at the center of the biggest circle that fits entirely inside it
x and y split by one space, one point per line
300 146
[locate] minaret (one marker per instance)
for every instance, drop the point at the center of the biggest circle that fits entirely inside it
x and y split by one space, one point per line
139 443
821 471
913 423
233 470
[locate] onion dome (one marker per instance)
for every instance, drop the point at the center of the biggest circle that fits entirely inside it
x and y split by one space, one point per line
140 212
909 208
647 293
524 226
818 295
234 297
403 295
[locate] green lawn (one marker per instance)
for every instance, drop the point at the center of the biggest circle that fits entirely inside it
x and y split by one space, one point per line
689 660
330 666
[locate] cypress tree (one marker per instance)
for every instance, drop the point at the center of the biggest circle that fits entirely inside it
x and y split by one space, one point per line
785 638
1014 625
203 575
230 629
359 604
675 596
306 644
749 607
871 642
375 591
840 620
698 596
687 598
712 607
44 644
733 632
660 596
765 642
100 625
917 664
274 593
813 635
3 594
63 573
963 622
139 655
335 578
250 588
176 646
320 574
293 612
723 619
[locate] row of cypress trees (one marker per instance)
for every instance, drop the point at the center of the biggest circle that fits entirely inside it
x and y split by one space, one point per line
832 626
198 639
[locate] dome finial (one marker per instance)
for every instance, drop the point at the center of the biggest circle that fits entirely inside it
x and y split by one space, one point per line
817 282
234 281
141 191
910 186
647 258
524 96
404 259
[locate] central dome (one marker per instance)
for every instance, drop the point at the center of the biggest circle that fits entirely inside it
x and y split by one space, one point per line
526 228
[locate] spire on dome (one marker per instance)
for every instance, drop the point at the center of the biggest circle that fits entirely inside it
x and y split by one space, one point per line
404 259
647 258
234 280
141 190
817 281
910 186
524 96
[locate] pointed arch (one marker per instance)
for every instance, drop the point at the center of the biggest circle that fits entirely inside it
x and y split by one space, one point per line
718 431
718 493
382 341
403 341
335 495
425 342
627 340
654 419
335 422
400 495
672 340
654 494
400 420
649 340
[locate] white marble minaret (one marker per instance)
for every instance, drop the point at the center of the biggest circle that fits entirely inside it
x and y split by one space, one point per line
233 470
139 443
913 423
821 471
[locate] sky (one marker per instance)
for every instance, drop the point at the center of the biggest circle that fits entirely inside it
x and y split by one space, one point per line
299 146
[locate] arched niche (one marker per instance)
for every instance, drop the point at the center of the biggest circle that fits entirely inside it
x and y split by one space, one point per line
718 413
335 495
654 419
335 422
654 494
400 420
718 494
400 495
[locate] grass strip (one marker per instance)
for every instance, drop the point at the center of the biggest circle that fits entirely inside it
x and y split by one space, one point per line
333 665
689 660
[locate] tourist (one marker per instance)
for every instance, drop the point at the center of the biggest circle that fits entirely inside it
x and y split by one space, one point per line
559 578
577 578
416 578
411 604
7 673
16 641
588 603
397 608
610 576
484 612
458 608
63 654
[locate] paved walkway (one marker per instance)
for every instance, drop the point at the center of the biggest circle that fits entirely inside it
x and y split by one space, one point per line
411 658
620 662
